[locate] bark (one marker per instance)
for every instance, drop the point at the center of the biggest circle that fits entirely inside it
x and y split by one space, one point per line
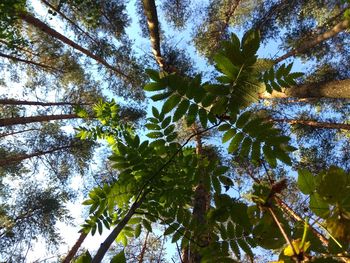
315 124
29 62
32 119
38 103
150 9
341 26
21 157
113 235
53 33
75 248
336 89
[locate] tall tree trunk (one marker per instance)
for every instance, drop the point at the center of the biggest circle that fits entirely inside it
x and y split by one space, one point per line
31 119
38 103
315 124
25 16
75 248
341 26
2 135
336 89
21 157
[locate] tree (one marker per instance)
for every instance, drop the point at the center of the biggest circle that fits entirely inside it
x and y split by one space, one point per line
178 185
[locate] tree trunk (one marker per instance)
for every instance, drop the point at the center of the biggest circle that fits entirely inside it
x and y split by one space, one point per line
20 157
315 124
336 89
25 16
38 103
31 119
341 26
75 248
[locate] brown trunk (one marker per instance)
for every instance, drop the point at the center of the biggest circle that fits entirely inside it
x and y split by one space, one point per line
25 120
341 26
143 250
53 33
37 103
75 248
16 59
315 124
150 9
336 89
20 157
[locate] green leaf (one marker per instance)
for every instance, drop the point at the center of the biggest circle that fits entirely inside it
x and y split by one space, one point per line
154 135
225 65
228 135
203 118
319 206
137 231
161 96
236 141
181 110
153 74
218 90
192 114
147 225
166 122
242 119
119 258
177 235
154 86
171 103
250 42
306 181
84 258
269 156
171 229
245 247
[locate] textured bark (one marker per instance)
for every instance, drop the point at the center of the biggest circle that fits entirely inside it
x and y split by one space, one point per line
21 157
315 124
53 33
336 89
32 119
37 103
150 9
341 26
75 248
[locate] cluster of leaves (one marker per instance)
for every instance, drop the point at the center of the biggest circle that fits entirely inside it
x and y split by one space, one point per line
329 200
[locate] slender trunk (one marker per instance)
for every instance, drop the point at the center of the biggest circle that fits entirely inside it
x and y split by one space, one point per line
30 62
25 16
21 157
143 250
19 48
341 26
31 119
113 235
150 9
336 89
69 20
75 248
38 103
200 208
315 124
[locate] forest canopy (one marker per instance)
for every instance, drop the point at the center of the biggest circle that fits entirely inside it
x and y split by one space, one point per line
218 130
